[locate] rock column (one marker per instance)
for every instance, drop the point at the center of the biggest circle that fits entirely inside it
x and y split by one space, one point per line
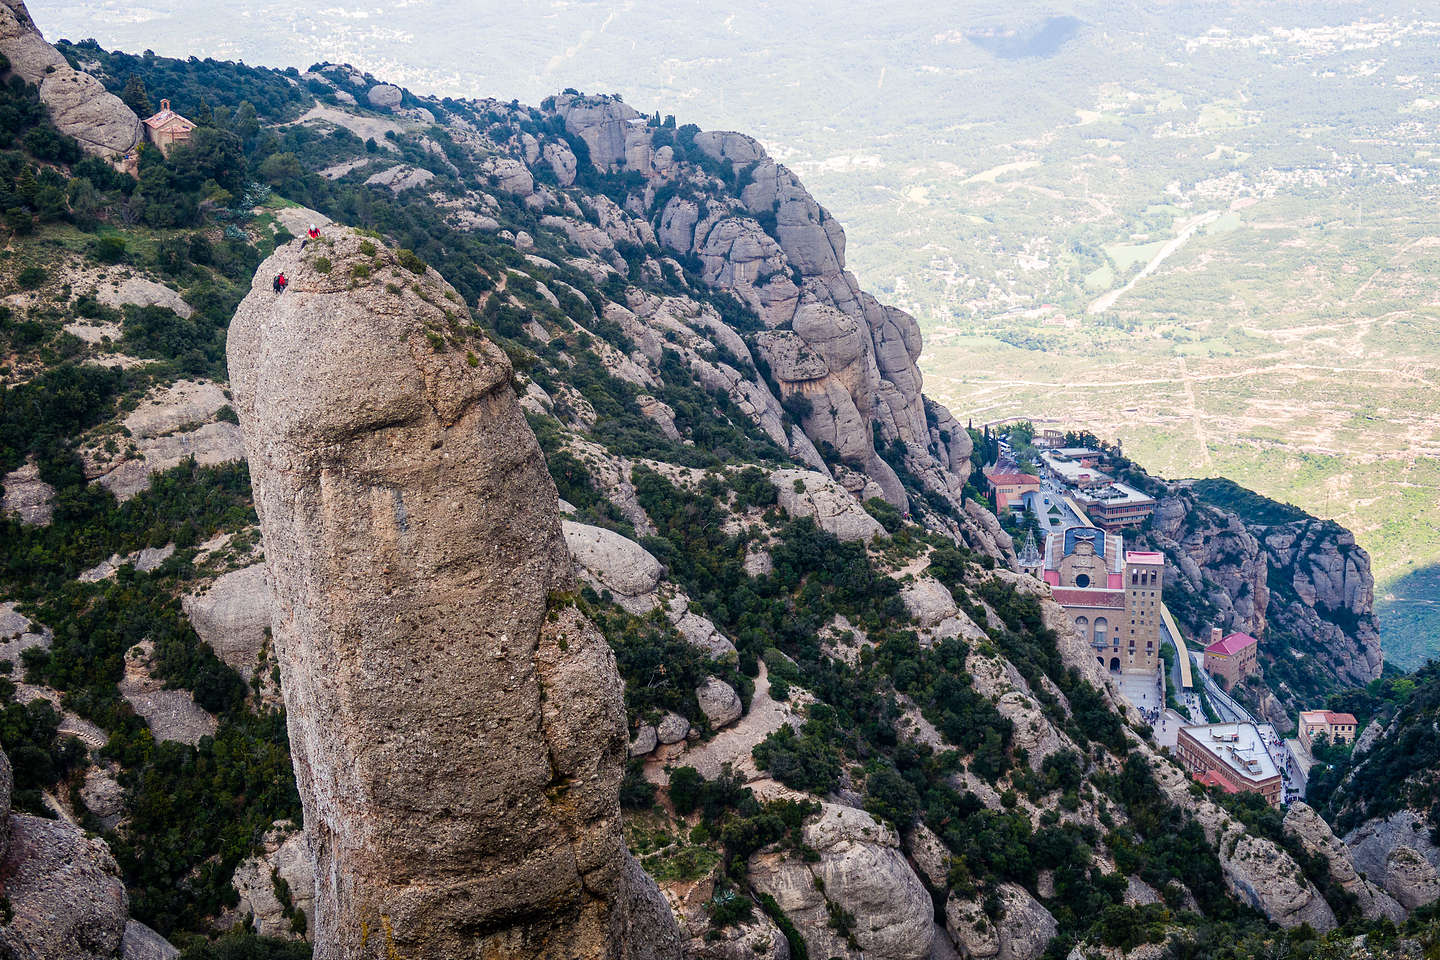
456 724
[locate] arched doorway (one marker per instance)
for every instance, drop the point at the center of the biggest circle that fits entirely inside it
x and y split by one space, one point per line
1114 664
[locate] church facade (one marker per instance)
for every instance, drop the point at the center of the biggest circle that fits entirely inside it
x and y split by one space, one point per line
1114 596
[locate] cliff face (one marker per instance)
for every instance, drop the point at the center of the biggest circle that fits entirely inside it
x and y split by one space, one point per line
1301 585
755 231
79 104
456 724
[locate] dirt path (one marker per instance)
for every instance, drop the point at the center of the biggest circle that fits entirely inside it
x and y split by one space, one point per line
1195 415
1187 230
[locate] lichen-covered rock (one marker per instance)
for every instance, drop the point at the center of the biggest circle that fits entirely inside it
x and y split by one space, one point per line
719 702
1022 931
804 493
859 870
64 893
1395 851
647 738
1315 835
385 96
615 563
232 615
79 105
27 496
284 857
672 728
142 943
457 728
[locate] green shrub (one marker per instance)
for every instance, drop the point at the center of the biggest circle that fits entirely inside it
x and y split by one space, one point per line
108 249
323 264
411 262
31 277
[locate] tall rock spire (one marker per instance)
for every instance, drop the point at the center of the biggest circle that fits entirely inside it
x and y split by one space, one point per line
457 725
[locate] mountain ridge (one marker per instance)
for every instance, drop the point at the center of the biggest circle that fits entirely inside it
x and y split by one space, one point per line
905 700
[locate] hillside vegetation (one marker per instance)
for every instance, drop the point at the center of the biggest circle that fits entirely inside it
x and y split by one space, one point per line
854 730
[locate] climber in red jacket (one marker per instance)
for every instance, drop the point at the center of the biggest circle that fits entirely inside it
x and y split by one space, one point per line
313 233
281 282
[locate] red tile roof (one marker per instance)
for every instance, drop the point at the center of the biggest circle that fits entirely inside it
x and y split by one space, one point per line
1232 644
1328 717
999 478
1214 778
1088 597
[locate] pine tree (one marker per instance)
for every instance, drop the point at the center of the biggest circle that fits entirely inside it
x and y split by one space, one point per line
136 97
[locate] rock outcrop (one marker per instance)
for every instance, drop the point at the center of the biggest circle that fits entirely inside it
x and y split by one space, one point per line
27 496
1317 838
232 615
63 893
846 363
1395 851
1256 870
1021 932
170 714
805 493
79 105
861 872
456 725
284 857
1276 573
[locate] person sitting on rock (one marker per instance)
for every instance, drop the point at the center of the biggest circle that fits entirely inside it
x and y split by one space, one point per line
281 282
313 233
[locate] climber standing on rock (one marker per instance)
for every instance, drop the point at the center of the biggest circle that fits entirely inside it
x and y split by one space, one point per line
281 282
313 233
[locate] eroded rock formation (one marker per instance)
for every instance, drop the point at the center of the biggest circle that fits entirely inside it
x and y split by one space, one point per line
860 871
79 104
1317 838
63 893
456 724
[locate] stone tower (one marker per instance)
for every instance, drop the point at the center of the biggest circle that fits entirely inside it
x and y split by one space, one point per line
1144 585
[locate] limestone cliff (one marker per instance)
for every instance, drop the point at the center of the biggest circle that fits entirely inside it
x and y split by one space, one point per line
456 724
79 104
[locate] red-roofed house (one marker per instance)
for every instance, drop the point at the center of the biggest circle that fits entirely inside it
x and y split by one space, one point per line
1232 658
1339 727
167 129
1010 483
